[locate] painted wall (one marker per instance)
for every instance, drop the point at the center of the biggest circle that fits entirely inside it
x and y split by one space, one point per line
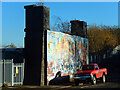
65 53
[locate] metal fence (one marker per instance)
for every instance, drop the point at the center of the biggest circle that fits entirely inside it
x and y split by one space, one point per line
96 58
11 73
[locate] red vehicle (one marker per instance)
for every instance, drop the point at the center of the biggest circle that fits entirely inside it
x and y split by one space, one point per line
90 73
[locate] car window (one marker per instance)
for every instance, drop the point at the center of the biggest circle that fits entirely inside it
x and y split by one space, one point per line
96 67
87 67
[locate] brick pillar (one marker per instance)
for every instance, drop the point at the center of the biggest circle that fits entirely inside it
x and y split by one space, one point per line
78 28
37 22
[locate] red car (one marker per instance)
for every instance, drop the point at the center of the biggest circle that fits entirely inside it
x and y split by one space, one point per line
90 73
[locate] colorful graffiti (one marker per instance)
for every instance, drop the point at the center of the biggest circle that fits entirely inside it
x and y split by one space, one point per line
65 53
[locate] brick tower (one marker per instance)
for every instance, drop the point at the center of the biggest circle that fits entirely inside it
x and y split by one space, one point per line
37 22
79 28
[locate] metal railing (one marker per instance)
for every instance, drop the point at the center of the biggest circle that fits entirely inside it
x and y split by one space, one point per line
96 58
11 73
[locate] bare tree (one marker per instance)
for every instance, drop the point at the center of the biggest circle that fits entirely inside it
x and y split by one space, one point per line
9 46
61 26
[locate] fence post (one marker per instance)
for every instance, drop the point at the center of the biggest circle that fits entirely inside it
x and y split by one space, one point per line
12 73
3 72
23 70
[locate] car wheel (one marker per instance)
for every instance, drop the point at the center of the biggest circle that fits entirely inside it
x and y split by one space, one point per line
103 79
76 82
94 81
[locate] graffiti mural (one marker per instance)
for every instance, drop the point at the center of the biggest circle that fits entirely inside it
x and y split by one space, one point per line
65 53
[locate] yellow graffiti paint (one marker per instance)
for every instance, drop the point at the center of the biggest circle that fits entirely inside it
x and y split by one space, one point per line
50 51
53 32
51 41
48 46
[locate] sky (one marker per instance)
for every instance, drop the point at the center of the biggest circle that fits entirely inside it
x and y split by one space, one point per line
60 0
13 16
